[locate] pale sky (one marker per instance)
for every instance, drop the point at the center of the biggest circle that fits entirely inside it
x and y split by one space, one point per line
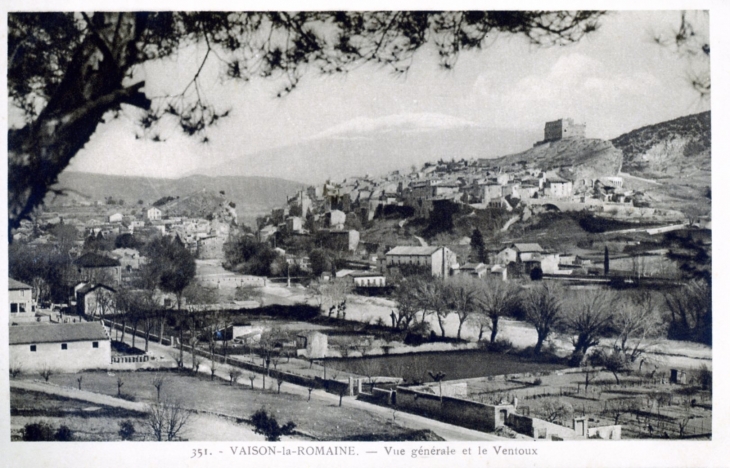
614 80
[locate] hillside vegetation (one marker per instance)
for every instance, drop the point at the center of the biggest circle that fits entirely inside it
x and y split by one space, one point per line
678 147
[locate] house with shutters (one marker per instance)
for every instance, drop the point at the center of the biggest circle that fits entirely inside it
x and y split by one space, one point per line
22 306
154 214
439 260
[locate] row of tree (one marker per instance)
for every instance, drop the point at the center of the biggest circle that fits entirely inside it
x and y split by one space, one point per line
585 316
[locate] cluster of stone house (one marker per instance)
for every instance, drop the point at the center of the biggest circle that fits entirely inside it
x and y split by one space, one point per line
203 236
480 183
337 206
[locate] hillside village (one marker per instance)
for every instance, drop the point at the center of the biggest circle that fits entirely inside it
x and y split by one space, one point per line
511 190
329 293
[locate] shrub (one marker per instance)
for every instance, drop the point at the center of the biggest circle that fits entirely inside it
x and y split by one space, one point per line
501 345
536 274
64 434
703 377
126 430
537 381
269 427
36 432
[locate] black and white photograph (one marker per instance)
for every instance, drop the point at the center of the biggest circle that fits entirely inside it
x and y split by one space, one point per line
350 232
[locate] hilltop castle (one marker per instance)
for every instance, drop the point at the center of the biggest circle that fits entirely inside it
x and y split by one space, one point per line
563 128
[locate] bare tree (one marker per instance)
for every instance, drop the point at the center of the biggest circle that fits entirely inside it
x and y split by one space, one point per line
150 311
199 299
370 368
270 345
251 377
553 409
462 292
41 290
342 392
16 368
588 316
543 309
211 324
615 361
690 309
495 300
79 379
46 371
233 375
105 303
433 300
120 384
213 365
167 419
636 319
703 376
158 381
684 418
590 374
279 381
330 295
407 303
617 407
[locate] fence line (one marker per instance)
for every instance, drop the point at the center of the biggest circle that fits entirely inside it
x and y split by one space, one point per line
129 359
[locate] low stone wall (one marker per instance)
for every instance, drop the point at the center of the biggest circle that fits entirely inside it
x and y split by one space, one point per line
548 430
522 424
377 397
464 413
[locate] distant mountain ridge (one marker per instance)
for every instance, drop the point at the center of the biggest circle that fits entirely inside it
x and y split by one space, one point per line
374 148
252 195
677 151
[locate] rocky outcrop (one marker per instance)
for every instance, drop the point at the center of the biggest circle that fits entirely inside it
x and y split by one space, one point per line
576 158
676 148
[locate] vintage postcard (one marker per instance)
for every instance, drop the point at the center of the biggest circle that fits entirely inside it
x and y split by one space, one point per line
385 234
